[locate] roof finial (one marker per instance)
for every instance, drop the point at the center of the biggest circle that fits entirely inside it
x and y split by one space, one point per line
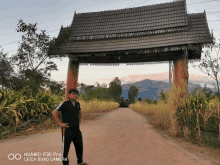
73 17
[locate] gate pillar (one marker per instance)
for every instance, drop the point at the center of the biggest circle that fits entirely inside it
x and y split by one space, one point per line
72 76
180 78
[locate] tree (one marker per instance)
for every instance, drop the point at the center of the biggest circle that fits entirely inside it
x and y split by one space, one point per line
139 99
104 85
100 91
210 65
132 93
206 91
115 89
163 96
30 75
27 55
127 102
6 70
122 103
148 100
56 87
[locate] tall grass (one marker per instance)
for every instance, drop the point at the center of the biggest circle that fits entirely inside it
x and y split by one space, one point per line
193 117
16 109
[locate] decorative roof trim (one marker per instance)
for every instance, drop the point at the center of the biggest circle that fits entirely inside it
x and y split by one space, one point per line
207 25
73 17
159 31
131 63
146 51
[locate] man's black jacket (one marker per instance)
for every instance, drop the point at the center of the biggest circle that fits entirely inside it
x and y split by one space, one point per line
70 113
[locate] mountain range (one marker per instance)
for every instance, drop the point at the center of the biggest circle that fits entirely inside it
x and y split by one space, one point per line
151 88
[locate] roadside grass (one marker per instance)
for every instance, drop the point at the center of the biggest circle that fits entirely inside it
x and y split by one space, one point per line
20 116
195 117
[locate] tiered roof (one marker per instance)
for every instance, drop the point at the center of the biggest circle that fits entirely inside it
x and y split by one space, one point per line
155 26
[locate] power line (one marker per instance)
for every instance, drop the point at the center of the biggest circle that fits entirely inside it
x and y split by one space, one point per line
137 4
213 11
214 20
10 42
202 2
20 40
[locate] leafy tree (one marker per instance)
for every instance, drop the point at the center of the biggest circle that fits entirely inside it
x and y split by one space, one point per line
56 87
89 91
127 102
6 70
104 85
208 92
115 89
26 56
139 99
100 91
121 101
132 93
163 96
208 64
148 100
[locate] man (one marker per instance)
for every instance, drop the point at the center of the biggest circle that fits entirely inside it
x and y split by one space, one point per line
70 111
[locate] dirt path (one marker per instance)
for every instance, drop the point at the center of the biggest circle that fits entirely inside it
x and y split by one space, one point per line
118 137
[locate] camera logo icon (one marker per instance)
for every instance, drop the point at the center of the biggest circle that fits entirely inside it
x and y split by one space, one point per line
12 156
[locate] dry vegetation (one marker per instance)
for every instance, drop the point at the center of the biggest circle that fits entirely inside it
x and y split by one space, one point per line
194 119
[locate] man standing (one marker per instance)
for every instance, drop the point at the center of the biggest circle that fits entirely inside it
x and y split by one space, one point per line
70 111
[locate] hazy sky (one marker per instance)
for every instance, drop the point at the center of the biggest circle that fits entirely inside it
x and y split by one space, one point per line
51 14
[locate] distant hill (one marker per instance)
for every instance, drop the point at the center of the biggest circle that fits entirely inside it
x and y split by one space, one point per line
151 88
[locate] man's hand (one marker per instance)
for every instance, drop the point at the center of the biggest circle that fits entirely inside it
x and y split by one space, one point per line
64 125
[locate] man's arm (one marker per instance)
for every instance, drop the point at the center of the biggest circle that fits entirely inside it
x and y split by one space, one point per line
55 115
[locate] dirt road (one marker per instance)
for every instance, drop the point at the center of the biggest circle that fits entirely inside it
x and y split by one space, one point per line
120 137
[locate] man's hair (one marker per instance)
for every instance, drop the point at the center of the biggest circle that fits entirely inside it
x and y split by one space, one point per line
73 91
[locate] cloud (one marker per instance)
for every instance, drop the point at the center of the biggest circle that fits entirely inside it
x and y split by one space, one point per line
163 76
153 76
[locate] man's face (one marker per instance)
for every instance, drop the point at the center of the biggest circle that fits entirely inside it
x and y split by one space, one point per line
73 96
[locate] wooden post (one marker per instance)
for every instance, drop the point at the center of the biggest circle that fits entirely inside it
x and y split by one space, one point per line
170 74
72 76
180 77
170 77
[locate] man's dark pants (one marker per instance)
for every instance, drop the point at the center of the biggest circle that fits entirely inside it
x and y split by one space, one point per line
68 135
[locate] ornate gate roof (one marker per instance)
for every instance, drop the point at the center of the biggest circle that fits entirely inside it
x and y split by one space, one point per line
161 27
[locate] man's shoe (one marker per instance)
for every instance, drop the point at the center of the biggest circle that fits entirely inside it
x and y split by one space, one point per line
66 161
83 163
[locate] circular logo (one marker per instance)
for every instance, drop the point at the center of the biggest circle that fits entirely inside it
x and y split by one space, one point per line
12 156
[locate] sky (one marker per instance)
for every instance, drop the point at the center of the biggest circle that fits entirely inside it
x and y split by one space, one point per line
51 14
